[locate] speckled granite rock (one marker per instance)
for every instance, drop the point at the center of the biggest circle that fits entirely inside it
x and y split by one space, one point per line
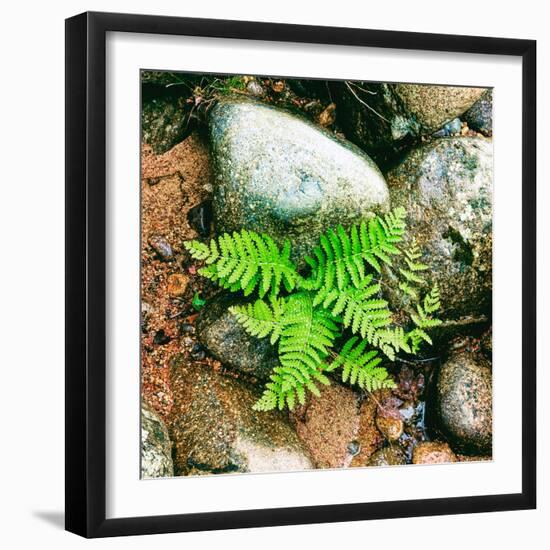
433 452
464 402
388 456
433 106
328 426
225 339
156 447
385 119
215 430
279 174
480 116
446 188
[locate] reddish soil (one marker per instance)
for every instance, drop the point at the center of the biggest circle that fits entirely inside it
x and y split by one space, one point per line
171 184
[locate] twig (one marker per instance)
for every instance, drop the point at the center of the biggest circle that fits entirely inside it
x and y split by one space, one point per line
362 89
365 104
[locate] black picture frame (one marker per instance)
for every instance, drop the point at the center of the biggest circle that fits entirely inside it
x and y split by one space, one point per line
86 274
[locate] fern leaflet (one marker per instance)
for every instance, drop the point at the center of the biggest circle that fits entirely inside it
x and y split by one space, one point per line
246 261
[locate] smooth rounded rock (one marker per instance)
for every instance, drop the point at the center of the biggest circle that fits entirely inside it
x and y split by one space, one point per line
280 174
156 447
225 338
433 452
216 431
388 456
446 188
391 428
463 402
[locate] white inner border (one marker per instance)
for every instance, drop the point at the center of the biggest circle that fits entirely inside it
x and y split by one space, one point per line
127 495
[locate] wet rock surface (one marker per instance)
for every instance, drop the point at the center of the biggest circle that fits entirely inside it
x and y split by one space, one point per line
388 456
226 340
463 402
156 447
391 428
446 188
368 439
433 452
328 426
480 116
386 119
215 430
279 174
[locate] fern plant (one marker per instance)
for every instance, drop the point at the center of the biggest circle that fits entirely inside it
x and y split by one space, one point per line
334 315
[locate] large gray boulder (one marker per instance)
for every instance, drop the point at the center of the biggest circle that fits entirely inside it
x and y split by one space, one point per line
225 338
280 174
385 119
464 402
446 188
156 448
216 431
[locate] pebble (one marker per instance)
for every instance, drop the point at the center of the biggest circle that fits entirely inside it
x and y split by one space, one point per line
433 452
388 456
177 284
161 338
162 247
186 328
255 88
391 428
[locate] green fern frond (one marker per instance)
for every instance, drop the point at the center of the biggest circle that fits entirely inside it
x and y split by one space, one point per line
342 257
246 261
360 367
261 319
305 339
338 294
424 320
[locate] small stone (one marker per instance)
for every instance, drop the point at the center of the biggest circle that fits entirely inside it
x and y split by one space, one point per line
391 428
433 452
388 456
161 338
255 88
197 352
354 447
177 284
328 116
453 127
162 247
187 328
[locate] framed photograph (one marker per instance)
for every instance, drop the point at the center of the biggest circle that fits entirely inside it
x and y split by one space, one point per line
300 274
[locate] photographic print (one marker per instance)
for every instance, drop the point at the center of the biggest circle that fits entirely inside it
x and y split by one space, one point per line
316 274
